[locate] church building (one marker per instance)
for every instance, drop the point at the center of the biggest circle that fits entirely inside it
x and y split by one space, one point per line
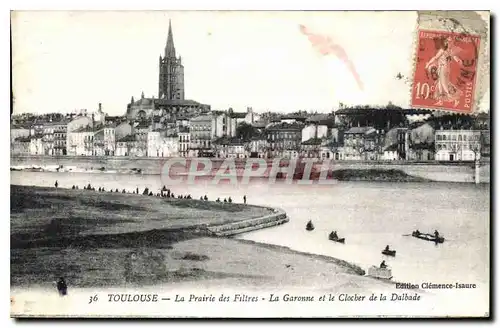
170 103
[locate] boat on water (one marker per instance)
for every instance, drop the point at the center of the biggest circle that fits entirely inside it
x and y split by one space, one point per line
389 252
335 238
428 236
309 226
379 273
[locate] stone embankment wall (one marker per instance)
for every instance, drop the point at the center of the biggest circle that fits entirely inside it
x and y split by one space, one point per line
445 172
234 228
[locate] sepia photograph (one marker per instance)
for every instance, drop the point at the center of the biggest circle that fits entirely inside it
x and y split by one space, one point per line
250 164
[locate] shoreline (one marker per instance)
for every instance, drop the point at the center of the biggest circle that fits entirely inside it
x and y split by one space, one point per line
406 171
185 252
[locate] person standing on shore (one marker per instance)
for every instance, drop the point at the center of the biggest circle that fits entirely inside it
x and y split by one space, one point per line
62 287
56 184
244 199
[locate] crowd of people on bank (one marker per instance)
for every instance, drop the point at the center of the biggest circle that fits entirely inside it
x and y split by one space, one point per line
164 193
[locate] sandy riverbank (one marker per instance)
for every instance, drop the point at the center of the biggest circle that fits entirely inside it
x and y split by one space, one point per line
117 240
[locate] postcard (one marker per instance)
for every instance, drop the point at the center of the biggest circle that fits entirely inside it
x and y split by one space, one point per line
250 164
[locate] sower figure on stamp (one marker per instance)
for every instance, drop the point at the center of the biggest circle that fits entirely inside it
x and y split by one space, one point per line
444 89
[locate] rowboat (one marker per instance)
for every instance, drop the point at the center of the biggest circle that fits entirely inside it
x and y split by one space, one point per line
428 236
379 273
389 252
309 226
336 239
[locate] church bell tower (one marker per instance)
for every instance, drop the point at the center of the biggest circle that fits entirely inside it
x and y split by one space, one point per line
171 71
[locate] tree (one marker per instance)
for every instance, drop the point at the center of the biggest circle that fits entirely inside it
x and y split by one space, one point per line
246 131
475 146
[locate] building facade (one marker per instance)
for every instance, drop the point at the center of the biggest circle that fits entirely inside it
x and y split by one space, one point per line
20 146
284 139
104 141
200 136
184 138
362 143
81 142
258 147
458 145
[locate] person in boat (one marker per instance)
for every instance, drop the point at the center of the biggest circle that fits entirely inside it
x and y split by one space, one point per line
218 200
436 233
387 248
205 198
62 287
333 235
417 232
225 200
229 199
383 265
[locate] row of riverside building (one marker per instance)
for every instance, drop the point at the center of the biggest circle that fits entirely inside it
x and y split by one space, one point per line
200 132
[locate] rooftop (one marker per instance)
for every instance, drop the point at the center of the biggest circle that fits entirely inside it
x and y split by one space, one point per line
286 126
259 125
225 140
313 141
238 115
23 139
127 138
177 102
200 118
360 130
87 128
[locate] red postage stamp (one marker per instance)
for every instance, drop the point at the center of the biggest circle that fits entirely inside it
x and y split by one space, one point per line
445 72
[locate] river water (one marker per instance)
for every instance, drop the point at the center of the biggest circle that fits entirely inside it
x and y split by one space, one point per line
369 215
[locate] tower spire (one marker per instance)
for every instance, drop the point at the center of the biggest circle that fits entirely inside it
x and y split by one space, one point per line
170 48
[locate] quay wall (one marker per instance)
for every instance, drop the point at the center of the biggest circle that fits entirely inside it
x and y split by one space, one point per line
234 228
436 171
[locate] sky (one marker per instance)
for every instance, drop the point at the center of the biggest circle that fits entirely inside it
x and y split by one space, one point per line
64 61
